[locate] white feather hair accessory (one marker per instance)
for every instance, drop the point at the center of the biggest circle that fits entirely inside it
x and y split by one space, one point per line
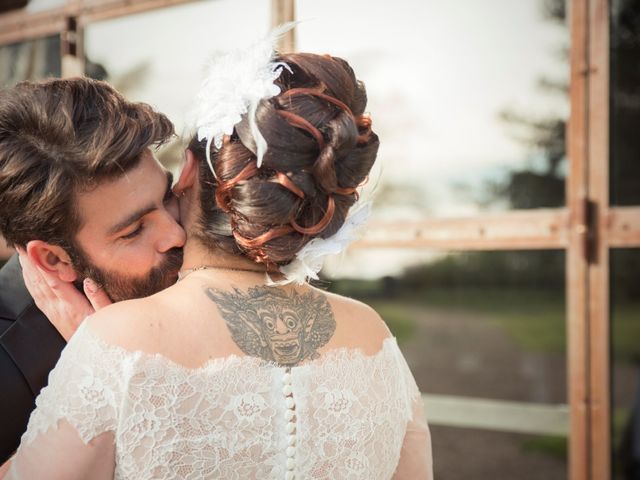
310 259
234 84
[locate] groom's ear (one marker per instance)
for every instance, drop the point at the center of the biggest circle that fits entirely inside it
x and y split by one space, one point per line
53 259
188 175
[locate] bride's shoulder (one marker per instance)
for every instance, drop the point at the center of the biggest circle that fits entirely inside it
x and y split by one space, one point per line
129 324
358 322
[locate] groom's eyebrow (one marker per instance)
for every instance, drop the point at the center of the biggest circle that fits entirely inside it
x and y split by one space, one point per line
134 217
138 214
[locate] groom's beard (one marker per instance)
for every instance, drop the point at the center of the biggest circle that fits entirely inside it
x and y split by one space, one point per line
121 287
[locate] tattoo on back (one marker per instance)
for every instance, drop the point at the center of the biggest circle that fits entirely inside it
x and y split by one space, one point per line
274 325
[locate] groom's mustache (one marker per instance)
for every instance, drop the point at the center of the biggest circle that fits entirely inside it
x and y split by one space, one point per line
167 271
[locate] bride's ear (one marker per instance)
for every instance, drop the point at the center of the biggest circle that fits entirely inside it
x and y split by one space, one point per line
51 258
188 175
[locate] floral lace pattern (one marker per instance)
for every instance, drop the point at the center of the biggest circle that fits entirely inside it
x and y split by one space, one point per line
228 418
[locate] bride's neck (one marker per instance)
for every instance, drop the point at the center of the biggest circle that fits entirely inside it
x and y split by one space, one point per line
197 255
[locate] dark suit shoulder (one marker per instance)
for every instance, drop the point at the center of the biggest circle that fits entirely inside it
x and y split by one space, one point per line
17 401
14 296
30 347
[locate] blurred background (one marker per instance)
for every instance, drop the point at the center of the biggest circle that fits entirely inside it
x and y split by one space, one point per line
471 256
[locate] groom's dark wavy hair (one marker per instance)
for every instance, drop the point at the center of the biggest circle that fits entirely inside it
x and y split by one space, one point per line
320 149
58 138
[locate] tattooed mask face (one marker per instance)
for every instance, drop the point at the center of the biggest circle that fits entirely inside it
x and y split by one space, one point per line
274 325
282 330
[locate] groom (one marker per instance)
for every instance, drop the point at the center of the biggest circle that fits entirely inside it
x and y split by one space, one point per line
84 199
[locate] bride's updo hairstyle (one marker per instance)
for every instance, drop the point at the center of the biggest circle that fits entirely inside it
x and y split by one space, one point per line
320 149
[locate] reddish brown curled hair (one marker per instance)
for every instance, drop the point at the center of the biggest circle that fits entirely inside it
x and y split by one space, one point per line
320 149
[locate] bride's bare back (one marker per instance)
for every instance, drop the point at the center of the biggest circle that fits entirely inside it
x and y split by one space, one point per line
221 313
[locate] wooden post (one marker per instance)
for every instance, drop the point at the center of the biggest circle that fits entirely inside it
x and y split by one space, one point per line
72 49
578 250
599 281
283 11
588 253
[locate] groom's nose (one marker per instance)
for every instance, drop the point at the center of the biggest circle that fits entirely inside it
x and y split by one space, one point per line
171 234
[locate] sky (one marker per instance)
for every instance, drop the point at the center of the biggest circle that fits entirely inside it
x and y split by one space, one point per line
438 74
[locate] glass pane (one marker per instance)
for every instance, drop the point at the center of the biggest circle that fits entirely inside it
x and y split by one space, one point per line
30 60
158 57
625 348
466 125
625 102
483 329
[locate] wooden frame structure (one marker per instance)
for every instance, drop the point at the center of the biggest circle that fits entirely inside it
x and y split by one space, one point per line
586 228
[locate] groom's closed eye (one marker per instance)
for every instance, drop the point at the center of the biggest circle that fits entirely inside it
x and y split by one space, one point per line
168 196
138 215
134 233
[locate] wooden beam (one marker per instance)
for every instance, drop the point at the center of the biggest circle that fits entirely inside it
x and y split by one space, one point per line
624 227
519 230
98 10
577 253
21 25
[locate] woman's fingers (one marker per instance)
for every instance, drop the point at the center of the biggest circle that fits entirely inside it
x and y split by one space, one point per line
96 295
60 301
33 280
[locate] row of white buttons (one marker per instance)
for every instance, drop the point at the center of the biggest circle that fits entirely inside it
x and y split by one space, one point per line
290 414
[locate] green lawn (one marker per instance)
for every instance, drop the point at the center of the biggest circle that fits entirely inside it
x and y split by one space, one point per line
397 316
625 332
552 445
535 319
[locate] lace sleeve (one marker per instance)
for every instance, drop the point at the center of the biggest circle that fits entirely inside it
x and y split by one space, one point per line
71 431
415 456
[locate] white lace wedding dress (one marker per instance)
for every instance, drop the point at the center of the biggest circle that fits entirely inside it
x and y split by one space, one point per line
343 416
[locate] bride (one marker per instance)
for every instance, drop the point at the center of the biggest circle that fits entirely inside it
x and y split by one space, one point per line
230 373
